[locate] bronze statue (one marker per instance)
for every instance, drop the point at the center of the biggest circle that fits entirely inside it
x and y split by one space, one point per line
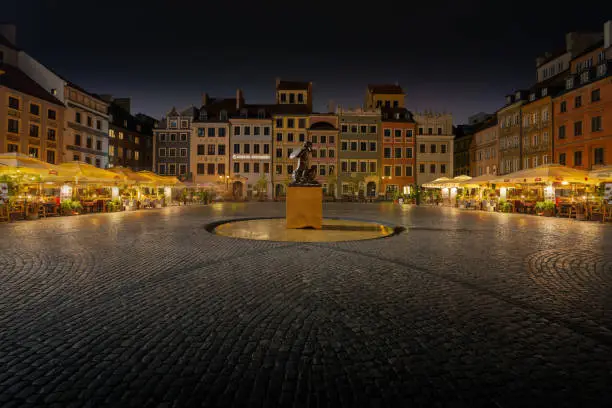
304 174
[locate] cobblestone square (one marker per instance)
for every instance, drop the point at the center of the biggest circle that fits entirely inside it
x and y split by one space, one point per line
148 309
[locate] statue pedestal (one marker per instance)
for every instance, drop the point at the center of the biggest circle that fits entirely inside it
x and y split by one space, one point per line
304 207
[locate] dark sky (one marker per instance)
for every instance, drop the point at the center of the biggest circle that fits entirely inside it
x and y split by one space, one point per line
458 56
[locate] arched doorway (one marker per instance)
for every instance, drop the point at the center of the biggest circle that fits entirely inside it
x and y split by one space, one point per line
237 188
371 189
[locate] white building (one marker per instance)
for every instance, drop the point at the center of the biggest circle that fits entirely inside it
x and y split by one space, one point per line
434 146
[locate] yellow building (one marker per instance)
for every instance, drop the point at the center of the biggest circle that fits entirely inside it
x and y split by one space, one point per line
384 96
294 93
290 121
32 118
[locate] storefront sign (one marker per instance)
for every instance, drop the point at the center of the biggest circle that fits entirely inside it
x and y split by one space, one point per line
549 193
251 157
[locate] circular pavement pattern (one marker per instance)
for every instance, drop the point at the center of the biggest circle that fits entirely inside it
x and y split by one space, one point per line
275 229
148 309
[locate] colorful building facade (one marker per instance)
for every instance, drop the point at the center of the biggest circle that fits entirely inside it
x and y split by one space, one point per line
251 155
484 149
583 113
510 133
398 151
324 134
32 118
435 144
359 152
171 143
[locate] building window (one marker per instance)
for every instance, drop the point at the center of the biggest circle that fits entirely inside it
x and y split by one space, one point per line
398 171
432 148
562 132
211 132
162 152
563 107
51 114
421 168
221 150
432 168
409 133
13 126
430 131
35 110
290 123
577 128
34 130
13 102
211 149
98 145
210 168
595 95
12 148
236 148
200 168
247 148
387 132
408 171
89 121
577 158
98 163
387 171
289 137
442 148
598 156
221 168
77 139
51 156
162 169
99 124
33 152
443 168
398 153
596 124
409 152
89 142
577 101
422 148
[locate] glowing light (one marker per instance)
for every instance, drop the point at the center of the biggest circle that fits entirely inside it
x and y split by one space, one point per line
564 183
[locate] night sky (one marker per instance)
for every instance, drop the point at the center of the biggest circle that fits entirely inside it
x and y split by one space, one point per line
462 58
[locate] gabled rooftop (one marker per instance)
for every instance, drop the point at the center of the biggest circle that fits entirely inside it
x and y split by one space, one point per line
386 89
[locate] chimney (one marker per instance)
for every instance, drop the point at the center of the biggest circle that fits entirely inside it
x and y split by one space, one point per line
239 99
607 34
277 82
9 31
204 99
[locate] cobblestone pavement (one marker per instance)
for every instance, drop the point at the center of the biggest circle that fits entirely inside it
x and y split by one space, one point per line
147 309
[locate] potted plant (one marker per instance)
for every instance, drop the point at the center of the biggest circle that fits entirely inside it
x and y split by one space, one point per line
545 208
505 206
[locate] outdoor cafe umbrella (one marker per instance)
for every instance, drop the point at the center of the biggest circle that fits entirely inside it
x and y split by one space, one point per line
88 173
548 173
27 168
602 174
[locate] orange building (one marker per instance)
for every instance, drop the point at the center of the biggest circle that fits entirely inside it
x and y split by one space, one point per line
583 113
32 118
398 142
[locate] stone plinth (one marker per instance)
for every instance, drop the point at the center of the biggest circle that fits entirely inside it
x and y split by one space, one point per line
305 207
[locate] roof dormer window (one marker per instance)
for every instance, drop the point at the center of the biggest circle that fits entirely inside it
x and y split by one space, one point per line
203 114
532 97
223 115
544 91
518 95
584 77
569 83
601 69
261 114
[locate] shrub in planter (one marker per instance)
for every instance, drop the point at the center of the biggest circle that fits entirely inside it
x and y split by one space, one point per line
545 208
505 206
66 207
